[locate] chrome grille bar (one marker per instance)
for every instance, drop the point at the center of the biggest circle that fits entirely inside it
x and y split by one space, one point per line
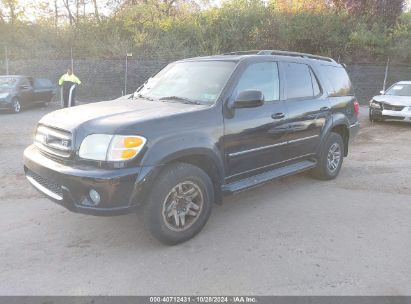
54 141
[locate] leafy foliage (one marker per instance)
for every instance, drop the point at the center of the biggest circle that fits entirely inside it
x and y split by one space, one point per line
355 31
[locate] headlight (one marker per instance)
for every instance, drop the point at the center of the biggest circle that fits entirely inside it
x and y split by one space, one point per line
375 104
111 147
3 95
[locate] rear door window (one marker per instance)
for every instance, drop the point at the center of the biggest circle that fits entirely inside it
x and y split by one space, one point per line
300 81
338 80
42 83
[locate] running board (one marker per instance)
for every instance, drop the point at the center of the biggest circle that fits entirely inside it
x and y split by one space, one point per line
260 179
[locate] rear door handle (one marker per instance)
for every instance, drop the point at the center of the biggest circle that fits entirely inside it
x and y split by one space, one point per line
324 109
278 116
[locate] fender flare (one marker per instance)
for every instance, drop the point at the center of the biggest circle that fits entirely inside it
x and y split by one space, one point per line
336 120
152 167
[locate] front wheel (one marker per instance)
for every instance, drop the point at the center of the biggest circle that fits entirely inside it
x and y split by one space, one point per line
16 105
179 204
331 158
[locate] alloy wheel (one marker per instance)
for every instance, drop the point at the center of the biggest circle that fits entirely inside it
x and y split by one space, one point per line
182 206
334 157
16 106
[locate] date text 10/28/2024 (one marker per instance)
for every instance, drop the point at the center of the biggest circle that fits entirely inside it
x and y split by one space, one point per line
203 299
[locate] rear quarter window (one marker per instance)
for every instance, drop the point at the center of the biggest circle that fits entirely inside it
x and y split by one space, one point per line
338 80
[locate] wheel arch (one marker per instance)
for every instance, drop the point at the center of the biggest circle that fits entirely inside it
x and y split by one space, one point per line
202 158
338 124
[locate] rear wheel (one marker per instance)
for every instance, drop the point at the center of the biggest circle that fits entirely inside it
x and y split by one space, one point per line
179 204
331 158
16 105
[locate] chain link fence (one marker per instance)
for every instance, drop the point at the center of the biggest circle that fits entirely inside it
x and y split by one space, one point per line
108 78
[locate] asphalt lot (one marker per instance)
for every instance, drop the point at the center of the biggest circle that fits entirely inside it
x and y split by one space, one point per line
296 236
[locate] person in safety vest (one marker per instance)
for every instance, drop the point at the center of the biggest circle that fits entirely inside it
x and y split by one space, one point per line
69 81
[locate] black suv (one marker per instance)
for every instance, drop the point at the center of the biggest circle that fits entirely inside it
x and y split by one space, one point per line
199 129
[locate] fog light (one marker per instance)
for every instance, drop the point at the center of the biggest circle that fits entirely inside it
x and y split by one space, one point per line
94 196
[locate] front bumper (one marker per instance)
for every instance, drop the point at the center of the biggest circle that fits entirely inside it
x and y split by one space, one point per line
382 114
121 190
5 104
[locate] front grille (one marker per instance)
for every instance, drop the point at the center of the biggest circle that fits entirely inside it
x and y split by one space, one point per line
392 108
49 185
53 141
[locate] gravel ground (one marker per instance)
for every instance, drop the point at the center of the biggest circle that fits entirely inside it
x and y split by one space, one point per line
295 236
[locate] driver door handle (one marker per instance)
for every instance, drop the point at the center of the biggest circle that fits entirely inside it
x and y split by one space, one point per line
277 115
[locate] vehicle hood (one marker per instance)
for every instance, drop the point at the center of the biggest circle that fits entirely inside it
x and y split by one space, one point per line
110 116
394 100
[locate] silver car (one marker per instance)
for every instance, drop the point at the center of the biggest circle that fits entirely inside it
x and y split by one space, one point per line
393 104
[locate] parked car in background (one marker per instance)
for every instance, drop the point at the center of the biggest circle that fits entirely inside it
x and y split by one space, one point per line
199 129
18 92
393 104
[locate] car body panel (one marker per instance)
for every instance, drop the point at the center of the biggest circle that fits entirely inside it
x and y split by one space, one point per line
233 144
392 107
27 93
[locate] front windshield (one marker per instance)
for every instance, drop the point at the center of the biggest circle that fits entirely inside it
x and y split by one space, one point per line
399 90
7 82
197 81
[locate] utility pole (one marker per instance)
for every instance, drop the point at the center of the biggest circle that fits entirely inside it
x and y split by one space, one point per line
386 74
71 58
126 72
7 60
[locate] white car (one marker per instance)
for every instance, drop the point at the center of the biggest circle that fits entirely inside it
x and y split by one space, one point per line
393 104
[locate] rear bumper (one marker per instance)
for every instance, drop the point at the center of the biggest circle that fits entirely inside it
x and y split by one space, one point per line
120 190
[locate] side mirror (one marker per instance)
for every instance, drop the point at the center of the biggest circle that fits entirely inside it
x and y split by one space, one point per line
249 99
382 92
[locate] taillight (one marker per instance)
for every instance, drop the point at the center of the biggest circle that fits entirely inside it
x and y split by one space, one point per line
356 107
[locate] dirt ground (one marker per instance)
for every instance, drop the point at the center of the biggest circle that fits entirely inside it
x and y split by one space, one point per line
298 236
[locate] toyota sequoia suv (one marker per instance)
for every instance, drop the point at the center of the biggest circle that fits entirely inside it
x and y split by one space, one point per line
200 129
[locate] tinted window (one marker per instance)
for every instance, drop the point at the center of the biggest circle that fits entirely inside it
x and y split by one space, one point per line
8 82
299 83
338 80
25 81
261 76
42 83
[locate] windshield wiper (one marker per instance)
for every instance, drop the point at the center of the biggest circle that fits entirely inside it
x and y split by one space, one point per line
182 99
139 95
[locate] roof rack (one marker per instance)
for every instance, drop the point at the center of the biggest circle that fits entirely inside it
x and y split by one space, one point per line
251 52
295 54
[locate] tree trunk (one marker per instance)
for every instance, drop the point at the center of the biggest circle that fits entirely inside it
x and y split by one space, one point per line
96 13
70 15
56 14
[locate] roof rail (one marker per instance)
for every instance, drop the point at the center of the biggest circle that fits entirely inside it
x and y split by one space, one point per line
295 54
251 52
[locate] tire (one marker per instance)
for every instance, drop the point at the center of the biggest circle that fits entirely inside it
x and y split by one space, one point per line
331 158
371 117
16 105
179 186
